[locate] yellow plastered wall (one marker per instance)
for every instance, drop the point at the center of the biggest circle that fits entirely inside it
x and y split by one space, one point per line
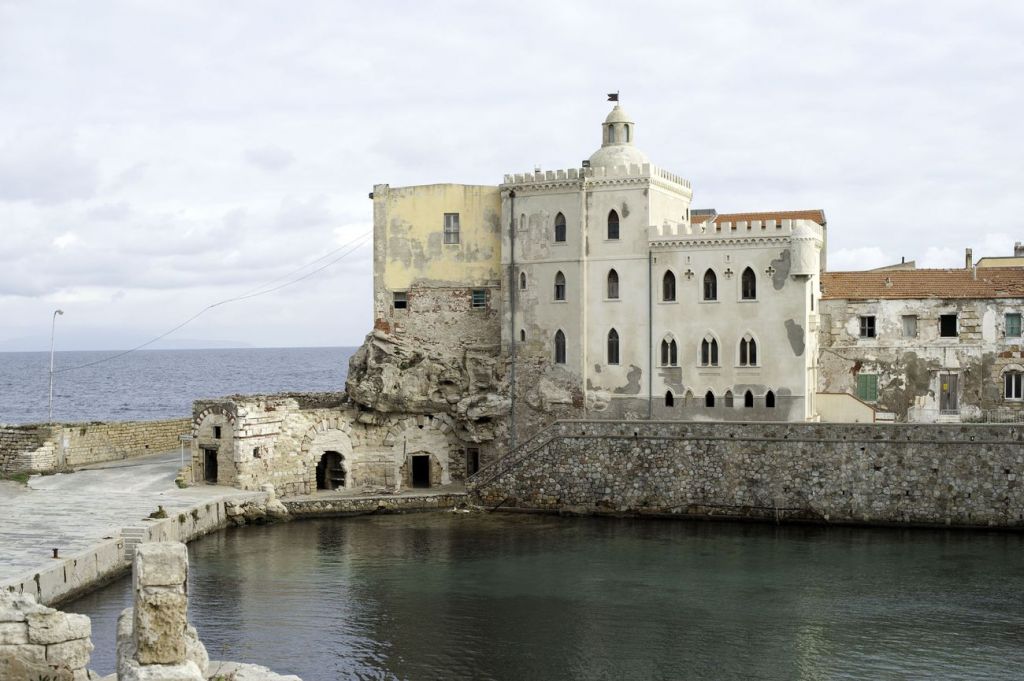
415 254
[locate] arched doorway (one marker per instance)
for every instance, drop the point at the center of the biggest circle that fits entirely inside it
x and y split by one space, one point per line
330 472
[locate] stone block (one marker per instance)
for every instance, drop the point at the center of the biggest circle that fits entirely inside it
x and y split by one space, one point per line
159 626
15 607
160 564
55 627
186 671
29 653
72 654
13 633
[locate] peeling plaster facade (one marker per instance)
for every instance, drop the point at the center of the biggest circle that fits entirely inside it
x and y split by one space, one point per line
913 372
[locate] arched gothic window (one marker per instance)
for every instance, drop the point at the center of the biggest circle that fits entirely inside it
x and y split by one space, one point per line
522 280
613 225
769 399
709 399
748 399
748 351
710 285
668 286
559 347
748 285
709 352
560 227
522 221
559 286
670 400
613 347
669 353
728 398
613 285
522 335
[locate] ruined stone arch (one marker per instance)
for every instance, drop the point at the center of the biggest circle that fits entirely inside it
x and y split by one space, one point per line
431 436
214 409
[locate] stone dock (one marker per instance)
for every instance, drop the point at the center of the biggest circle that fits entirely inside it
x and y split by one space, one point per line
96 517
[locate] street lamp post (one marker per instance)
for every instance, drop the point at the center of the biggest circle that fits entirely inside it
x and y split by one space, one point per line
53 327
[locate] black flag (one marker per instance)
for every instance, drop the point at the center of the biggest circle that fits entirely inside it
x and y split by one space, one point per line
613 96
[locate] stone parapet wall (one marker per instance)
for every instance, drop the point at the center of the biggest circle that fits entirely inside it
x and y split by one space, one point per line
907 474
46 447
39 643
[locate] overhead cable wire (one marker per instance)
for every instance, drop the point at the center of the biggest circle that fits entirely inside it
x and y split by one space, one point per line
346 249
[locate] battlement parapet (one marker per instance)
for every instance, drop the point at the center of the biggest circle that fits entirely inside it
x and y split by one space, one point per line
547 177
680 231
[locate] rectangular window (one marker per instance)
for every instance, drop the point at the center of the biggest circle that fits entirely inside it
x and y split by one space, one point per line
401 300
216 432
910 326
867 326
1013 325
479 298
451 228
472 460
1012 385
867 387
947 326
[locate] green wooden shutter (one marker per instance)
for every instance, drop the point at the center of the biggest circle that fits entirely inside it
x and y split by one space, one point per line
867 387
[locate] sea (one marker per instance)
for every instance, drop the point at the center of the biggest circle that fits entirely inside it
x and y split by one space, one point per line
157 384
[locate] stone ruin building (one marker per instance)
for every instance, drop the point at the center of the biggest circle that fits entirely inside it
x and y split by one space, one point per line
599 292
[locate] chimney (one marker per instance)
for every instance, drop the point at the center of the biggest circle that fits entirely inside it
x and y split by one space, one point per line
969 259
1018 250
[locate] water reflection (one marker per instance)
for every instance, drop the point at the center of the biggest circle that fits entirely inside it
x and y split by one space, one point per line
439 596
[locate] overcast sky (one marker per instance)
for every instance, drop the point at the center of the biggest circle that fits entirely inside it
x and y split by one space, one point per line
156 157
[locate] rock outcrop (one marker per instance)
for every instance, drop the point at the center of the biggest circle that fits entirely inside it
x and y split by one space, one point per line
390 375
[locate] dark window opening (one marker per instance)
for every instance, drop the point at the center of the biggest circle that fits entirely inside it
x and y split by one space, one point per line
472 460
669 353
559 286
947 326
522 280
479 298
670 400
748 352
522 335
709 399
749 285
559 227
613 347
216 432
559 347
668 287
709 352
400 300
748 400
421 471
867 326
710 285
769 400
613 285
330 471
613 225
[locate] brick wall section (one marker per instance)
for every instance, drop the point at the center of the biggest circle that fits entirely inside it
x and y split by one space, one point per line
907 474
43 447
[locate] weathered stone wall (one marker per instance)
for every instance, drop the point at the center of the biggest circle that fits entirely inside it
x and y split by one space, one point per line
37 642
45 447
962 475
271 439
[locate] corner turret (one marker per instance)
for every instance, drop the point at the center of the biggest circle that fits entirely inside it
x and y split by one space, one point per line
617 134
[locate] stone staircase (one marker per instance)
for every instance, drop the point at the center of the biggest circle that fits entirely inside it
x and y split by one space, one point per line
133 536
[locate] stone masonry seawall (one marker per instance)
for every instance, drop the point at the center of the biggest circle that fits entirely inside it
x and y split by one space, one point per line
905 474
43 447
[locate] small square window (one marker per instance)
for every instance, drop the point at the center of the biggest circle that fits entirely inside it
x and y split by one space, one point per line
451 228
1013 325
910 326
867 387
401 300
947 326
479 298
867 326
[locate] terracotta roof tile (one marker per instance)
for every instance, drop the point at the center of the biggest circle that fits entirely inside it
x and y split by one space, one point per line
991 282
816 215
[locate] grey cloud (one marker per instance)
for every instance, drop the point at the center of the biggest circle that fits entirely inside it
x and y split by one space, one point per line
271 159
45 169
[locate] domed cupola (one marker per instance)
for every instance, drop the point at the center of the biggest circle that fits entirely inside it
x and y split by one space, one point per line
617 134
